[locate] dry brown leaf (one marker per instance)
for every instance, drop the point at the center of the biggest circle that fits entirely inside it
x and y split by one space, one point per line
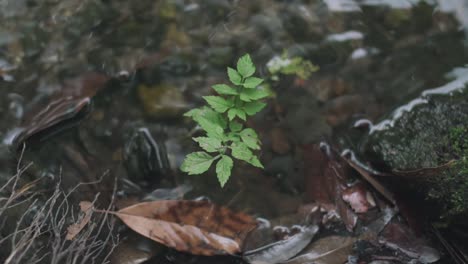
359 198
197 227
425 172
326 176
349 157
64 109
328 250
75 229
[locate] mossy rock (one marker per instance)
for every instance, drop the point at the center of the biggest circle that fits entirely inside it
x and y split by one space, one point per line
426 142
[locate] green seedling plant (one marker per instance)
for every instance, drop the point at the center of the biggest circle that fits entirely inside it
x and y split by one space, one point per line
223 120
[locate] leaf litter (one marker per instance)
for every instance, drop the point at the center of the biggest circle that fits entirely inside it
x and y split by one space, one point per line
196 227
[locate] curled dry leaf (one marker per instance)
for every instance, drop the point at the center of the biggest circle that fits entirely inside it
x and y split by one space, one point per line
281 251
73 230
399 237
197 227
328 250
326 176
359 198
64 109
425 172
367 174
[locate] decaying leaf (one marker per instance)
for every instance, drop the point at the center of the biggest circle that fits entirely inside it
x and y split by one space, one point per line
359 198
74 229
197 227
328 250
282 250
399 237
64 109
319 187
326 176
350 157
424 172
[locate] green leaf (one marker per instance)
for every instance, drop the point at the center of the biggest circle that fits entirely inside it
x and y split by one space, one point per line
250 138
248 95
234 76
194 112
245 66
241 152
252 82
212 122
218 103
234 137
197 163
235 126
244 96
209 144
253 107
233 112
255 162
223 169
224 89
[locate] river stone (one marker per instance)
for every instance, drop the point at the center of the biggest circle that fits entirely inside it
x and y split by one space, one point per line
423 136
418 134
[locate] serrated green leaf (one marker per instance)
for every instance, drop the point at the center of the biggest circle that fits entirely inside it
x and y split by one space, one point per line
252 108
197 163
233 112
193 112
233 138
209 144
212 122
225 89
244 96
252 82
250 138
235 126
240 151
223 169
234 76
248 95
218 103
245 66
255 162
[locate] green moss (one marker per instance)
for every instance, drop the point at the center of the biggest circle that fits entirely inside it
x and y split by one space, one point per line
451 187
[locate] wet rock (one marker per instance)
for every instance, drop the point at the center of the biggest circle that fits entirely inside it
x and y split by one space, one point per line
341 109
423 136
163 101
279 141
416 135
175 38
303 118
146 158
134 249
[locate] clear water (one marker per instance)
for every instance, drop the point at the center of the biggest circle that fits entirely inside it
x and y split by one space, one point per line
373 56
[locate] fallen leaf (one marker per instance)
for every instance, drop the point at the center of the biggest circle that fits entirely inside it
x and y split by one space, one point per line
326 175
328 250
64 109
399 237
424 172
359 198
197 227
350 157
282 250
319 187
73 230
